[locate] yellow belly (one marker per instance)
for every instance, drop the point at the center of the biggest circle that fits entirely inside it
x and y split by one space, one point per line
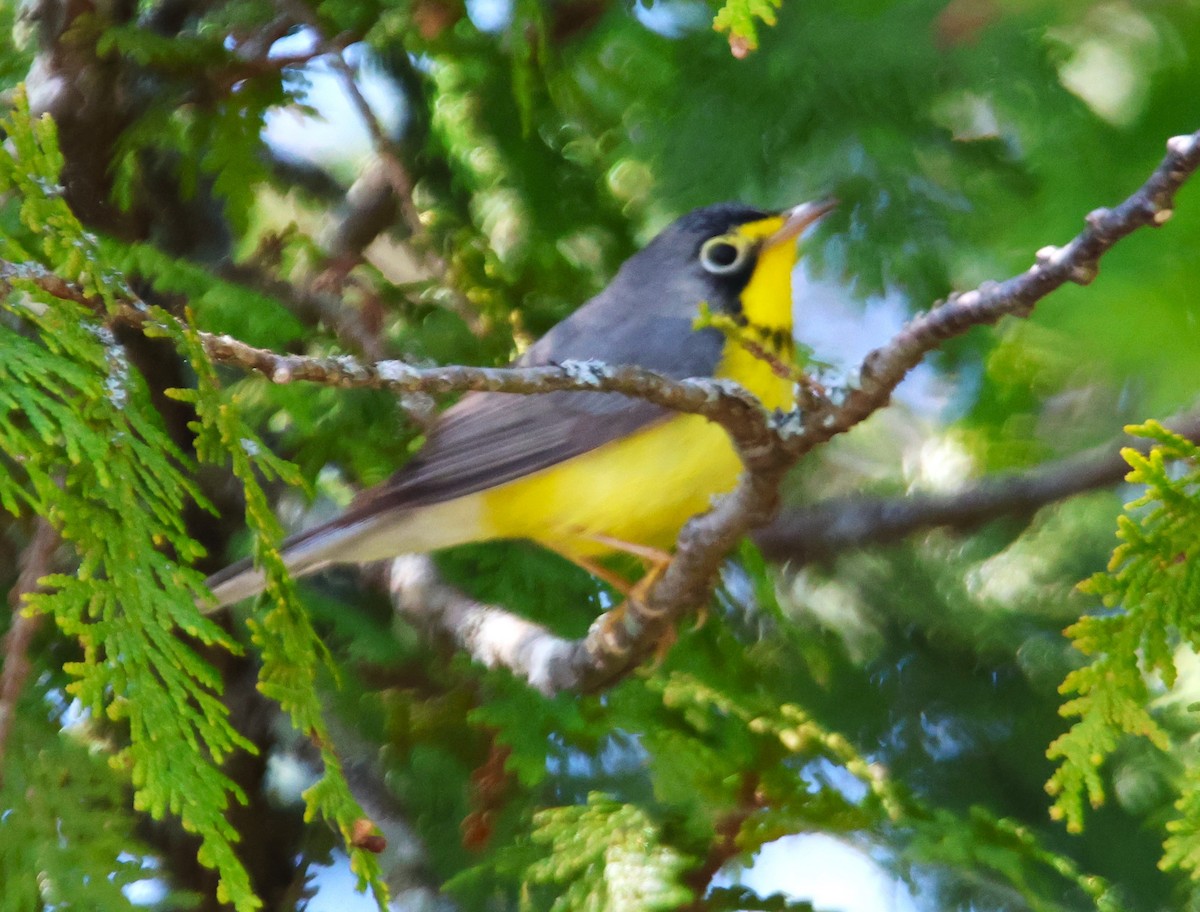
640 489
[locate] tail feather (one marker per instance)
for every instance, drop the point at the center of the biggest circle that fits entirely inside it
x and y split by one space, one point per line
302 554
360 538
238 581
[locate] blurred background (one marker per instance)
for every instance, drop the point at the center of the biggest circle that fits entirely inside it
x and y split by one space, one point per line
863 726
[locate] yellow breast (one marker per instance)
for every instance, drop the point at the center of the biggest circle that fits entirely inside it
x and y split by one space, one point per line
640 489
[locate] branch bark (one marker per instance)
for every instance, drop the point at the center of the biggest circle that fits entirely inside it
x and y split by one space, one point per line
823 530
36 562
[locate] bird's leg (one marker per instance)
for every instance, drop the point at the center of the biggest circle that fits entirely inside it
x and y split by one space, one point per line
654 557
656 564
602 573
656 561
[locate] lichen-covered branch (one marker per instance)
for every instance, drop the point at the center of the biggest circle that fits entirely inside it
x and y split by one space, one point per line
491 635
721 401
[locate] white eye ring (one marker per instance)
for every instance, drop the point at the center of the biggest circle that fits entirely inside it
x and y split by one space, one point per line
724 255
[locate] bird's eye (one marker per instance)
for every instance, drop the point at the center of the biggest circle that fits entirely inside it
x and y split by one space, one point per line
725 254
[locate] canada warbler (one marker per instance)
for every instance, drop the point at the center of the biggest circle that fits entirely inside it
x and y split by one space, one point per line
586 473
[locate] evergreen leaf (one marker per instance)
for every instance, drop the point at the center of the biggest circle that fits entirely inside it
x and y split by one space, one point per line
1150 589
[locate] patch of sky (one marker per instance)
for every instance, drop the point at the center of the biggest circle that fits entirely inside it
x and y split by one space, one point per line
843 331
330 131
336 888
828 872
672 18
489 15
823 773
150 891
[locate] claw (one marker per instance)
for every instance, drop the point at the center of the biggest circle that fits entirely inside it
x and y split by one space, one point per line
656 561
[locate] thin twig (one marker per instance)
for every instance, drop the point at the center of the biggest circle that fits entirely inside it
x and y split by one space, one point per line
721 401
310 305
35 563
384 186
385 147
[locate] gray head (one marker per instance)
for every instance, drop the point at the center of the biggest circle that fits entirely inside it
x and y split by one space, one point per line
697 257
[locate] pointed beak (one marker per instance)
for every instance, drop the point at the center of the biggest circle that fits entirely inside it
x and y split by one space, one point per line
796 219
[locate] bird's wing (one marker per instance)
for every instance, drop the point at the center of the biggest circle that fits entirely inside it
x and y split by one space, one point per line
490 438
484 440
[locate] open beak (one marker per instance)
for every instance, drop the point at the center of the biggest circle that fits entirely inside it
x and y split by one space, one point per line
800 217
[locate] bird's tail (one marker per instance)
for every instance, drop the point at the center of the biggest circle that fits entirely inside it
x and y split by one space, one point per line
359 537
236 582
302 554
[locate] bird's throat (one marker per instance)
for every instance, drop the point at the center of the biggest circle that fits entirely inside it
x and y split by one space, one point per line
761 359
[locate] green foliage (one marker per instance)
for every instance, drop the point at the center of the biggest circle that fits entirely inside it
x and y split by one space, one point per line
1150 591
983 842
528 724
719 752
14 63
85 448
72 825
899 697
291 652
721 739
255 318
606 855
216 141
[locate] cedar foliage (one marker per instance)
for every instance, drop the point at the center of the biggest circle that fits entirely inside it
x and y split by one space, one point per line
900 698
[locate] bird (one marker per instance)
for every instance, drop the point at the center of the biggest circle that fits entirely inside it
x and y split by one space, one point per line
587 474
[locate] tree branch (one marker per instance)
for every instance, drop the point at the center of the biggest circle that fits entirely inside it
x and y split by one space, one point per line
884 368
383 188
36 562
721 401
492 636
823 530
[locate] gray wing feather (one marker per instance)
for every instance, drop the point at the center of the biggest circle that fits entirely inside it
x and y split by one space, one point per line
644 317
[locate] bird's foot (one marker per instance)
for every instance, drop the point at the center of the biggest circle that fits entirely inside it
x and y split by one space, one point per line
615 624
